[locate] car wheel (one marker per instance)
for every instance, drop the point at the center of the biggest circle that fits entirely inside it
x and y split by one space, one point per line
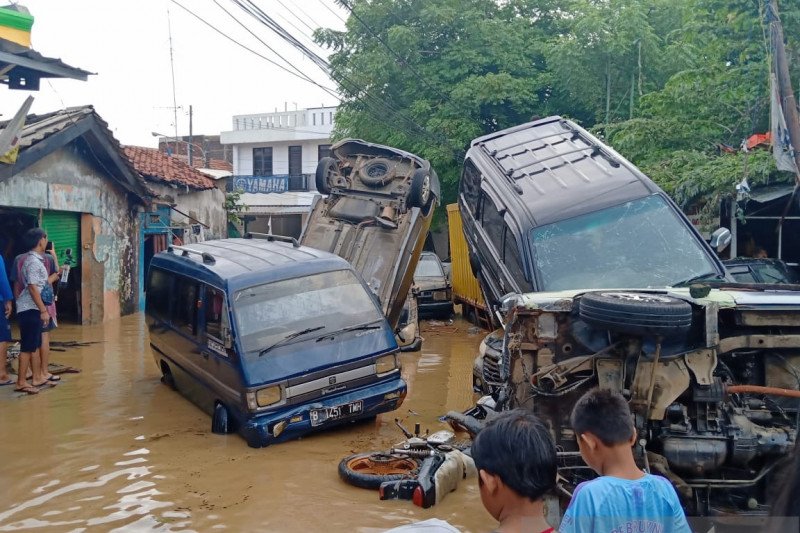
369 470
376 172
326 168
221 421
166 376
637 313
420 193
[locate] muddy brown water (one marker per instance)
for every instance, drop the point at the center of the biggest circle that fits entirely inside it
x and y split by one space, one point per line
114 449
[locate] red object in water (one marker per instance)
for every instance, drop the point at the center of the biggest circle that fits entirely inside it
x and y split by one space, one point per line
419 497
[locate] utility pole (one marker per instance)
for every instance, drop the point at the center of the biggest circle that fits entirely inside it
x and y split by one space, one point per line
191 138
787 99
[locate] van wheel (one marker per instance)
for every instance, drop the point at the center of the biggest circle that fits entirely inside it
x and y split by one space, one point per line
420 193
221 422
326 168
166 376
637 313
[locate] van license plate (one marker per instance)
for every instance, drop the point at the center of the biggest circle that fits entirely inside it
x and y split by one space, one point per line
320 416
440 296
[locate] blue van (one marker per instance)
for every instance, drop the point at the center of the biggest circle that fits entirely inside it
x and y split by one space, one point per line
272 338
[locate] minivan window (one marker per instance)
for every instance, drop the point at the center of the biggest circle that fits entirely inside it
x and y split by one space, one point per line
159 293
638 244
428 267
216 312
269 313
471 186
493 223
186 305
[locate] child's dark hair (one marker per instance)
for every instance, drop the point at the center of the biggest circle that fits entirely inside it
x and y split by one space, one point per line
517 447
605 414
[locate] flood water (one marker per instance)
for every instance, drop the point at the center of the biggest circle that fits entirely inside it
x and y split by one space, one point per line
112 448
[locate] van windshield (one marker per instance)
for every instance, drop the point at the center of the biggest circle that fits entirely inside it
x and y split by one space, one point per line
317 304
638 244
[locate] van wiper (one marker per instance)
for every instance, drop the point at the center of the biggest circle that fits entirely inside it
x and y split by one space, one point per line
707 276
289 337
351 328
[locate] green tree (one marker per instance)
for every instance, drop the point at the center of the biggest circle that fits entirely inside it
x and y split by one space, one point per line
428 77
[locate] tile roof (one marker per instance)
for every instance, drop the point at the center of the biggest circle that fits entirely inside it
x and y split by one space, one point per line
155 165
38 128
199 162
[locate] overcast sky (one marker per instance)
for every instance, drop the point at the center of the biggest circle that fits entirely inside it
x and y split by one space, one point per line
127 45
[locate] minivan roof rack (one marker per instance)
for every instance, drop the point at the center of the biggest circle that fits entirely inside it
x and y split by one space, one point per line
271 237
208 259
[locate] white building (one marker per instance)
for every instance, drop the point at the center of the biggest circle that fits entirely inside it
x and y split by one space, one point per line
275 158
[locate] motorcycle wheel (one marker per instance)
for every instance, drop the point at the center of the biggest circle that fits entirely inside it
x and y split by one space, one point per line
369 470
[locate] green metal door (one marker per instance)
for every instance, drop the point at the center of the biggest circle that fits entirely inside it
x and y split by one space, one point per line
64 229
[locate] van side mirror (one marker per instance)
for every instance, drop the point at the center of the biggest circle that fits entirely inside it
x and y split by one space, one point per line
720 239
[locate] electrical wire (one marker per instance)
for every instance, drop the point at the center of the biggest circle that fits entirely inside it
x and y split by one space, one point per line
343 80
239 44
403 62
302 74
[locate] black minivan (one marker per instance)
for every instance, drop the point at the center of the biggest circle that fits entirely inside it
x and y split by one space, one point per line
271 338
548 207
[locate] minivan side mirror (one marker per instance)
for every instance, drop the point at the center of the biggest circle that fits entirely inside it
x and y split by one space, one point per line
720 239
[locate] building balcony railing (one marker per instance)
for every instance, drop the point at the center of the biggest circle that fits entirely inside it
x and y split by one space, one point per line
277 183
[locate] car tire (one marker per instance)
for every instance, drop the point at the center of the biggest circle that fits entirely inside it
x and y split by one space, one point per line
221 421
376 172
326 168
637 313
166 376
369 470
419 195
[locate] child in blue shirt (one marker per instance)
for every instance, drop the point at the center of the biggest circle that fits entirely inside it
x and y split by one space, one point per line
623 499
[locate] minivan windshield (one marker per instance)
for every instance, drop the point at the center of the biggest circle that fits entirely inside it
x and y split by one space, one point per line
428 267
639 244
297 308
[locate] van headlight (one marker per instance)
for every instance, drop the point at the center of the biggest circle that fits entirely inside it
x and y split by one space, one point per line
385 364
268 396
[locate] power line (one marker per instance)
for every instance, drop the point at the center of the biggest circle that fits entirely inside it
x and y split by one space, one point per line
252 9
237 43
302 74
403 62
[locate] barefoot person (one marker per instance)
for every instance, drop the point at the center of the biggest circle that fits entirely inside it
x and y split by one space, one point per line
53 273
32 313
6 297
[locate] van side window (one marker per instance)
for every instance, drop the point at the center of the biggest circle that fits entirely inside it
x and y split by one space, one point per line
216 312
185 316
471 186
159 290
513 261
492 223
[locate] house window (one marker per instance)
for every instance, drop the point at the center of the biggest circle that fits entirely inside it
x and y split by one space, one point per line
322 118
262 161
314 119
330 117
323 150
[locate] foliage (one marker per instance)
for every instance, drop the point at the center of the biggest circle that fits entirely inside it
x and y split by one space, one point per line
234 206
666 82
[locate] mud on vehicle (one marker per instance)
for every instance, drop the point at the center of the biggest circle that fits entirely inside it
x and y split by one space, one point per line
376 215
600 280
712 381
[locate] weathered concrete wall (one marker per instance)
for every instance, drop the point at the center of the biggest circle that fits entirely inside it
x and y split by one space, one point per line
207 206
64 181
